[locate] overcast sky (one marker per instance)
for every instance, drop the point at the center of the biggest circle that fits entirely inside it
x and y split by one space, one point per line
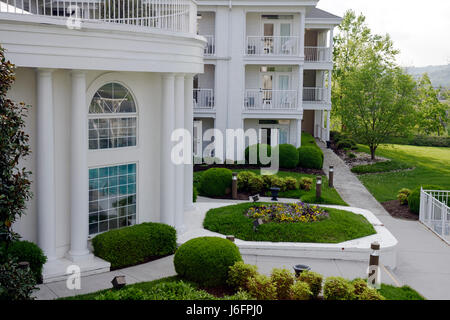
420 29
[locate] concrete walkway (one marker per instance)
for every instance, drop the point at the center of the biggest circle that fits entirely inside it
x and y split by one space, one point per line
423 259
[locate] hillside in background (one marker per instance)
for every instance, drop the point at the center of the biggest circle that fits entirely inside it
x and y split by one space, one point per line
439 75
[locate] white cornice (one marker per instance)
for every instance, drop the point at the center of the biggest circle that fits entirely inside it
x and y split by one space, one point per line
258 3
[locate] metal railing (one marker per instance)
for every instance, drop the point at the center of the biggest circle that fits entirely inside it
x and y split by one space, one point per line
203 99
435 212
210 48
315 95
259 99
317 54
171 15
279 46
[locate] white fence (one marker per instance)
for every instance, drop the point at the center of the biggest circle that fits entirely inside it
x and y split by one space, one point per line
435 212
315 95
280 46
258 99
317 54
203 99
174 15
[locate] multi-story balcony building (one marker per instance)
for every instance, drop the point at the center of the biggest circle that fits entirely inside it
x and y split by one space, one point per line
267 66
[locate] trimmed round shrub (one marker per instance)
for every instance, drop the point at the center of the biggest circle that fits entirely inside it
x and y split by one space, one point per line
135 244
337 288
261 287
313 279
255 148
243 178
306 183
239 274
359 286
283 280
288 156
370 294
300 291
216 182
290 183
310 157
206 260
30 252
345 143
255 184
402 196
414 197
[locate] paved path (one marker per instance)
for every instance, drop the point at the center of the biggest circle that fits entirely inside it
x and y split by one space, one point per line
423 259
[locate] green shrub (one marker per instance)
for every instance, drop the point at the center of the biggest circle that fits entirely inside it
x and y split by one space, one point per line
288 156
194 194
414 197
337 288
313 279
359 286
243 178
306 183
283 280
135 244
255 148
300 291
402 196
239 274
122 294
261 288
30 252
206 260
176 291
290 183
370 294
278 182
345 143
16 283
351 155
268 181
310 157
240 295
255 184
216 182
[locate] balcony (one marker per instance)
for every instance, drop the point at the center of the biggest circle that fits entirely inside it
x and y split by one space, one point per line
172 15
203 100
272 46
270 100
317 54
210 49
316 95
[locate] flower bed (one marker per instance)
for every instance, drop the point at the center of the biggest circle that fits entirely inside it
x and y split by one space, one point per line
287 212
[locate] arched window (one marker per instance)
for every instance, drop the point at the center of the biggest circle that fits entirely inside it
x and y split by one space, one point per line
112 118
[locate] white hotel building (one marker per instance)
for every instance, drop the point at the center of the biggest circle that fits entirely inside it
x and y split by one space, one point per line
108 81
267 66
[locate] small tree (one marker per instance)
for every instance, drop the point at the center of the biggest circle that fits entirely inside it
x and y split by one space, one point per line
14 179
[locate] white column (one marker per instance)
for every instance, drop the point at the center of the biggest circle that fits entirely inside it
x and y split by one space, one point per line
45 164
328 124
300 87
167 188
179 168
188 125
302 34
79 177
298 133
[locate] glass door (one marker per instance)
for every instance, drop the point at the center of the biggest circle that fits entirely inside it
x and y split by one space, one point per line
269 32
286 45
267 88
283 94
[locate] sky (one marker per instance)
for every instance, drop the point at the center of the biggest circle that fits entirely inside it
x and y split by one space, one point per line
420 29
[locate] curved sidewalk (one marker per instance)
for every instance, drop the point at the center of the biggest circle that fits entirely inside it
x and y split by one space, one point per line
423 259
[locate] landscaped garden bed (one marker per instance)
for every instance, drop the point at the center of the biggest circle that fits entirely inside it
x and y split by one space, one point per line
315 224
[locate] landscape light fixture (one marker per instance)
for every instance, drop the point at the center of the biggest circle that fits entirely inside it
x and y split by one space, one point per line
118 282
255 198
256 224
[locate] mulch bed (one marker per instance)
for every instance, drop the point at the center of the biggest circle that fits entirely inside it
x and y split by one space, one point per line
396 210
219 292
203 167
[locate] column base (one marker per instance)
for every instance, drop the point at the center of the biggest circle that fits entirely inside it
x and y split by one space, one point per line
180 229
79 256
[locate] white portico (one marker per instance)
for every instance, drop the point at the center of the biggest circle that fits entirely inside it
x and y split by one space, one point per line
104 100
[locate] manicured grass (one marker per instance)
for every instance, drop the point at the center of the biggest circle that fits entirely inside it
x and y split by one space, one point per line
329 195
340 226
399 293
385 166
431 166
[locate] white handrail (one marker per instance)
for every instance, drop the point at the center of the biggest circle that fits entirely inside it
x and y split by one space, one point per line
315 95
435 212
274 45
203 99
317 54
174 15
260 99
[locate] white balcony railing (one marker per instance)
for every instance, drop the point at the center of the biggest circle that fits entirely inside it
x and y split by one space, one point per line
203 99
317 54
279 46
210 48
316 95
435 212
174 15
258 99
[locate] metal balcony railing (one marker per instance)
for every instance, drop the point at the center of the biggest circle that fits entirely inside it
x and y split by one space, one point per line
316 95
317 54
203 99
270 100
174 15
210 49
278 46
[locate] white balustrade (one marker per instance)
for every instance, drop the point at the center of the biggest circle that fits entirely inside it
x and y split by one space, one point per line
258 99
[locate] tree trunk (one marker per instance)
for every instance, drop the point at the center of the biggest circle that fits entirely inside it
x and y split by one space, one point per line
372 152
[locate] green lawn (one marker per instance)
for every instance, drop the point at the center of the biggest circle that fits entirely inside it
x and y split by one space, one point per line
329 195
431 166
340 226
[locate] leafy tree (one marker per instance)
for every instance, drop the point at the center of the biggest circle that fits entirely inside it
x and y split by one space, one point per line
14 179
372 97
432 113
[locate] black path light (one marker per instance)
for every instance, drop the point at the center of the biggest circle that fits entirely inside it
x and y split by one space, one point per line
118 282
256 224
331 177
234 187
255 198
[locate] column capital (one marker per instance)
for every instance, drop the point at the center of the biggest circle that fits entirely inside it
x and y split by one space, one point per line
169 76
44 71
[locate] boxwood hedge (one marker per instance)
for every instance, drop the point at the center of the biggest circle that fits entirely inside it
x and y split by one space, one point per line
135 244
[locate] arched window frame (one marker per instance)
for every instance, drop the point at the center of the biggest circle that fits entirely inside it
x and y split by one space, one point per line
118 117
